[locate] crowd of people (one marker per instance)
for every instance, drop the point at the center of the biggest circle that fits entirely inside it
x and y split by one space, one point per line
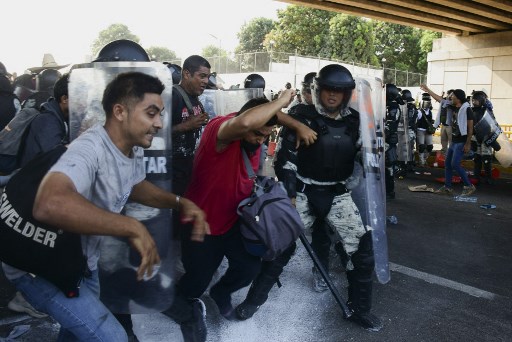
86 190
411 125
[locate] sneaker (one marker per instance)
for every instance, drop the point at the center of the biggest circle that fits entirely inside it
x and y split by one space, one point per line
319 284
245 310
468 190
366 320
194 330
224 304
19 304
444 190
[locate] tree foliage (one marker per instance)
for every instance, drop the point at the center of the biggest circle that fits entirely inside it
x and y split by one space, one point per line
301 30
111 33
351 38
398 44
252 35
161 54
426 41
213 50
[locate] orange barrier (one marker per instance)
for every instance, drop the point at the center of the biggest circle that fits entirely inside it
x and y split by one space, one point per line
507 130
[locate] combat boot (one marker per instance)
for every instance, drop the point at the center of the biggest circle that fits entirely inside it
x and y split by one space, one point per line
359 303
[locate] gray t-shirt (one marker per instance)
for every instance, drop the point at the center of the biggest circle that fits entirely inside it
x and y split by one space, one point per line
100 173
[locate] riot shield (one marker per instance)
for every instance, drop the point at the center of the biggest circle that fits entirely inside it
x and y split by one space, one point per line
489 132
121 292
222 102
369 194
403 146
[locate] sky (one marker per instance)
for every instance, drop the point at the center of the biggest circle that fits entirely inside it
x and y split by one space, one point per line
67 30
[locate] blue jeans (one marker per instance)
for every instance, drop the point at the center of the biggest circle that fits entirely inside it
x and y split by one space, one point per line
453 162
83 318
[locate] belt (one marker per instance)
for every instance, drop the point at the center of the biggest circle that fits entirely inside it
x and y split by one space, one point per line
338 188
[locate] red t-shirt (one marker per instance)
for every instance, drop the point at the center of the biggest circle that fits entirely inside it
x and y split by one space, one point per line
219 179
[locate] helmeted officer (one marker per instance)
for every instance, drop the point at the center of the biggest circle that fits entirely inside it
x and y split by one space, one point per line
254 81
316 179
393 114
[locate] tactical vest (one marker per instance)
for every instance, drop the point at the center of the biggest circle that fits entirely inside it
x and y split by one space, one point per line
331 157
425 119
412 115
392 119
478 113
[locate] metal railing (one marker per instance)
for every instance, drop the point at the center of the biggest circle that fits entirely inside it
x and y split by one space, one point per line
262 62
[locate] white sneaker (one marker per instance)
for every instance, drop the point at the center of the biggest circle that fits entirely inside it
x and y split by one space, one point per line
468 190
19 304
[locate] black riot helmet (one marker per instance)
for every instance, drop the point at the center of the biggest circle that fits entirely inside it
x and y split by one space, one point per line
335 77
254 81
3 70
24 86
46 79
122 50
407 96
426 101
212 81
308 81
392 94
175 71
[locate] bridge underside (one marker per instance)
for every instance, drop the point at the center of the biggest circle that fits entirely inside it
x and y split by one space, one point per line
451 17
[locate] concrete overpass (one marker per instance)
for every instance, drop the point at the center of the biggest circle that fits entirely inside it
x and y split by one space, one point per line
475 52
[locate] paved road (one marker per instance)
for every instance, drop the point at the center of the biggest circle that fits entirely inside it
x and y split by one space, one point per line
451 280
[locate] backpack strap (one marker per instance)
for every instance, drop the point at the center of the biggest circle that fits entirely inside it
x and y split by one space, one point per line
186 98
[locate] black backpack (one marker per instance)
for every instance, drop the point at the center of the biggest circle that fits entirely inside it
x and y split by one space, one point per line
33 246
12 138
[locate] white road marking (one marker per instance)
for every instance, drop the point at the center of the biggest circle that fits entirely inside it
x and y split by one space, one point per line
473 291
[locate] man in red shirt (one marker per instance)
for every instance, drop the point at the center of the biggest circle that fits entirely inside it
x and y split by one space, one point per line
219 183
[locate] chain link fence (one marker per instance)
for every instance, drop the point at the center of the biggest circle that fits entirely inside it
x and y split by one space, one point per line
256 62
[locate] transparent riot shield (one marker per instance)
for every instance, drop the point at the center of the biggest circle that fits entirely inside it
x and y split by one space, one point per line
403 147
489 132
369 195
222 102
121 292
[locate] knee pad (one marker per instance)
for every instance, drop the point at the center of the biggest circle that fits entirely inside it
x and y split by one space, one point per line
421 148
363 258
430 148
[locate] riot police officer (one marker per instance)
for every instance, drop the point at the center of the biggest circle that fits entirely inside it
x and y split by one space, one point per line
423 135
483 152
407 134
393 115
315 178
254 81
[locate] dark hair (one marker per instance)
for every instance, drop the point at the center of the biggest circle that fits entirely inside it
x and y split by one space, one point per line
61 87
194 62
129 86
254 103
460 94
